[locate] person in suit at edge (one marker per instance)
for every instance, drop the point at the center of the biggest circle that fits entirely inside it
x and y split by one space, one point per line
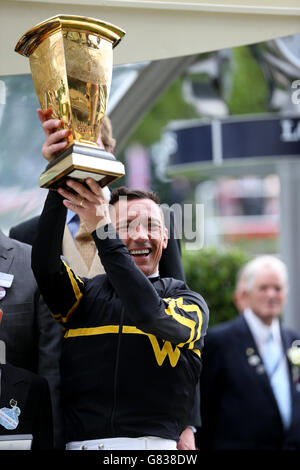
25 404
31 335
250 389
170 263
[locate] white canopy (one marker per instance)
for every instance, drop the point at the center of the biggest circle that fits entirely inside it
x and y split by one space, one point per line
155 29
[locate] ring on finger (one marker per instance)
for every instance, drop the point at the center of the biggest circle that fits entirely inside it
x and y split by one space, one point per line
81 203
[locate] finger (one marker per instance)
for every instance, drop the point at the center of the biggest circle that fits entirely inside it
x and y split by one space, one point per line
51 125
96 189
58 136
44 115
75 199
55 143
50 152
80 203
80 211
83 191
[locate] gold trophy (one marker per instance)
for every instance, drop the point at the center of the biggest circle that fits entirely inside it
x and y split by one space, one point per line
71 62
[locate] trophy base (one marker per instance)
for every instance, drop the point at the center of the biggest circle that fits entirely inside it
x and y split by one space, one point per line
80 161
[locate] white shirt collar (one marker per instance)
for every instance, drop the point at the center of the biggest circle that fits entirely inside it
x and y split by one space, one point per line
156 274
260 331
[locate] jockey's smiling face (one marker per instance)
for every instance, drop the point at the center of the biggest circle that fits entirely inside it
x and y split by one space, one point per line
140 224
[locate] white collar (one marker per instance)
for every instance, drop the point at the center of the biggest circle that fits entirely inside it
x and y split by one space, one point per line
156 274
260 331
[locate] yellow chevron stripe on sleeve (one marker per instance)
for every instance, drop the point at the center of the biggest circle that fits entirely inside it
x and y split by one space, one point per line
197 351
76 290
172 303
192 308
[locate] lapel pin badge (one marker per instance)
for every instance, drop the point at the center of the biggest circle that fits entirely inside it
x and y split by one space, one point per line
2 292
254 360
9 417
6 280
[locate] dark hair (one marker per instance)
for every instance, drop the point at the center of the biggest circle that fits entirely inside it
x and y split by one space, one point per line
131 194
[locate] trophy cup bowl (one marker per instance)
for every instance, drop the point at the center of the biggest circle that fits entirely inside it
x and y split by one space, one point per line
71 60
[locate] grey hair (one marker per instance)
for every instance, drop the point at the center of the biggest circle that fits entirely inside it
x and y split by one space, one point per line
253 268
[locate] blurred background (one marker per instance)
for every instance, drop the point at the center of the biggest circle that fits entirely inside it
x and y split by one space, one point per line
217 129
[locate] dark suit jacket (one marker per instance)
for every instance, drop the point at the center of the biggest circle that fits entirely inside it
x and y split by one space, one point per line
31 392
32 337
25 231
238 408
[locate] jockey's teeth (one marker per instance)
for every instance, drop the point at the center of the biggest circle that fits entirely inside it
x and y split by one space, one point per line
140 252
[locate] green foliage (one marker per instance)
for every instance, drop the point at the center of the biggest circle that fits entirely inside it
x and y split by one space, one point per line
248 90
169 106
212 272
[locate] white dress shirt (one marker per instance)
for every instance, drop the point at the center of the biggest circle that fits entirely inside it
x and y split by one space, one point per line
261 332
